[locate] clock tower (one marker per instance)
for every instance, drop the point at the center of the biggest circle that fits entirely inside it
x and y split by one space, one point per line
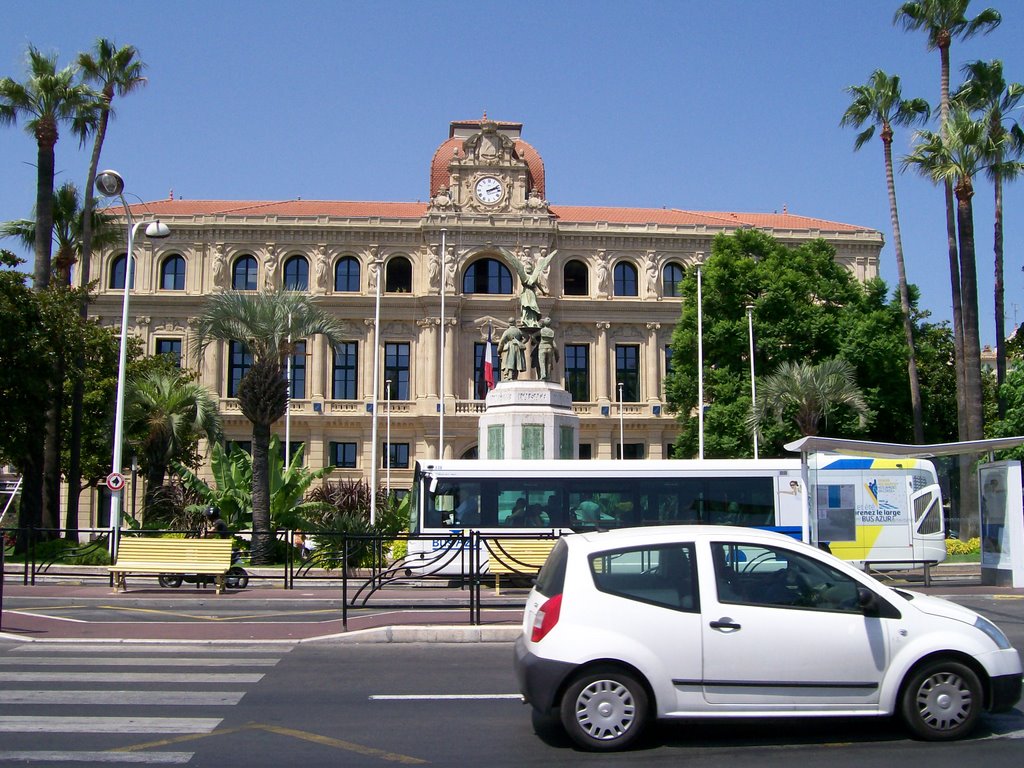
485 167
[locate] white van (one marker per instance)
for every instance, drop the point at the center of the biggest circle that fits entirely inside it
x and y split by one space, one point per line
702 621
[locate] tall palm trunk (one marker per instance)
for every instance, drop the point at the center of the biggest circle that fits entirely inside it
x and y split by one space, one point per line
999 296
969 289
901 273
46 138
84 275
955 279
262 537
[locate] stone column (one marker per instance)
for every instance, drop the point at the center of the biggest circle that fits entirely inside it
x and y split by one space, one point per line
428 349
372 348
653 383
602 364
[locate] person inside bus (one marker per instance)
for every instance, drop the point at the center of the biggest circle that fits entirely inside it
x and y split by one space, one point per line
588 511
468 512
523 515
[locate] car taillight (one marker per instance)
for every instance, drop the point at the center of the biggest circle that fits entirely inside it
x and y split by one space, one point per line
546 618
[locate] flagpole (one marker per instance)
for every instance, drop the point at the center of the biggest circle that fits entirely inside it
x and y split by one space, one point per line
444 273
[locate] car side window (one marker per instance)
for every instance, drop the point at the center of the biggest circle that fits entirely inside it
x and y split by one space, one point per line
661 575
755 575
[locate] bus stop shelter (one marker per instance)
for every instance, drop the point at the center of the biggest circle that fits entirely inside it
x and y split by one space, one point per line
999 499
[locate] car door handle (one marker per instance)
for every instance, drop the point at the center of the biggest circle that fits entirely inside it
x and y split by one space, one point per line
725 623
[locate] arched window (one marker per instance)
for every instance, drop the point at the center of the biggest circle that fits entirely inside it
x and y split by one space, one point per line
172 273
243 274
487 276
296 274
398 275
346 275
672 279
625 279
575 278
117 272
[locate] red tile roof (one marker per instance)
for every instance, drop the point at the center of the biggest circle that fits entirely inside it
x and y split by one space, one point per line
671 217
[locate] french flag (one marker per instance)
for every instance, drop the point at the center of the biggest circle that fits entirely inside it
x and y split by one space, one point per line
489 361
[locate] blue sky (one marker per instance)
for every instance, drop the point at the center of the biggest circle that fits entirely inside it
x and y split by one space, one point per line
726 105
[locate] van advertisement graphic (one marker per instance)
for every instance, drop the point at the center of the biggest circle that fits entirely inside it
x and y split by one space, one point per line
880 502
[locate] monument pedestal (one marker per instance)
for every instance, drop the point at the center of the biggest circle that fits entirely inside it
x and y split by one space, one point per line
529 420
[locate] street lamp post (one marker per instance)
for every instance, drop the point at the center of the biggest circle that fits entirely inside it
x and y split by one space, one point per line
378 267
110 184
753 382
700 362
444 271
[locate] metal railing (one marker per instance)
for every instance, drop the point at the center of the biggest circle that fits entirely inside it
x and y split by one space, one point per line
364 566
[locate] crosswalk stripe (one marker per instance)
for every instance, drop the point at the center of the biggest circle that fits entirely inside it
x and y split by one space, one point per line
99 661
93 758
197 649
51 724
132 698
218 678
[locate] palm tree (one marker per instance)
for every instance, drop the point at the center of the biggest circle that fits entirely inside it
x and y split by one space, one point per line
810 392
168 414
944 20
69 223
265 323
880 103
113 70
48 98
986 92
68 220
956 159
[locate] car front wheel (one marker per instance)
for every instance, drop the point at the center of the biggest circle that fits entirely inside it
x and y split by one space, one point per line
942 700
604 710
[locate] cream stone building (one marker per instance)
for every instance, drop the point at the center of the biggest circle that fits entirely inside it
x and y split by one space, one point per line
611 291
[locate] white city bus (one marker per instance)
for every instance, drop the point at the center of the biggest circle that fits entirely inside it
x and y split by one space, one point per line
869 511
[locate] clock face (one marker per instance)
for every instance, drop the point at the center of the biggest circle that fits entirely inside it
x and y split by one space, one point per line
489 190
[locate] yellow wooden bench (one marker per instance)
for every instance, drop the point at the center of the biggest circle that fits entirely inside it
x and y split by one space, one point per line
516 557
157 556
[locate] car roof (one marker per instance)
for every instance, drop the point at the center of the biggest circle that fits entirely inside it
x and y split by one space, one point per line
594 541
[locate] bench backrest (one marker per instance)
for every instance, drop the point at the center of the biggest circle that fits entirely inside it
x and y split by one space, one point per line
517 555
194 551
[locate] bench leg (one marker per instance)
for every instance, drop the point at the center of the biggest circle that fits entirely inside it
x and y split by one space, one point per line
120 585
497 584
220 583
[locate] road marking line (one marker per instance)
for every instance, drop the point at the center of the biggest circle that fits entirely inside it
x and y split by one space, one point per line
150 758
219 678
314 738
444 696
113 661
155 648
132 698
49 724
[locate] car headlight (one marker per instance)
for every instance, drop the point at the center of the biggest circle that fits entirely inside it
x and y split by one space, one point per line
993 632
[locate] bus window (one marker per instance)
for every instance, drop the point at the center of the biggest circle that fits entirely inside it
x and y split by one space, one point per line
454 503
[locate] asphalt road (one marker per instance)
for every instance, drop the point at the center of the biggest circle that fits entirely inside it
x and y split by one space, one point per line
356 705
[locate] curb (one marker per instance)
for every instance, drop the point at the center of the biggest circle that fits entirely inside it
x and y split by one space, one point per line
389 634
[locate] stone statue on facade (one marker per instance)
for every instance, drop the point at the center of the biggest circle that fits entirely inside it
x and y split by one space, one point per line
651 270
321 268
218 267
547 352
511 352
271 268
531 280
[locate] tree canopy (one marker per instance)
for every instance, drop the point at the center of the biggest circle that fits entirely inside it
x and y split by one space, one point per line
806 308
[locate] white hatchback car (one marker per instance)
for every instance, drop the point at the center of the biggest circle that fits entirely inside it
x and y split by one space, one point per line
707 621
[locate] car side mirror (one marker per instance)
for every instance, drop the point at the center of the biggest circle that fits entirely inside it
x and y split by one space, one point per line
867 600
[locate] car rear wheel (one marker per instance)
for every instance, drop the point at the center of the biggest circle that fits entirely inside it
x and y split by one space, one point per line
942 700
604 710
